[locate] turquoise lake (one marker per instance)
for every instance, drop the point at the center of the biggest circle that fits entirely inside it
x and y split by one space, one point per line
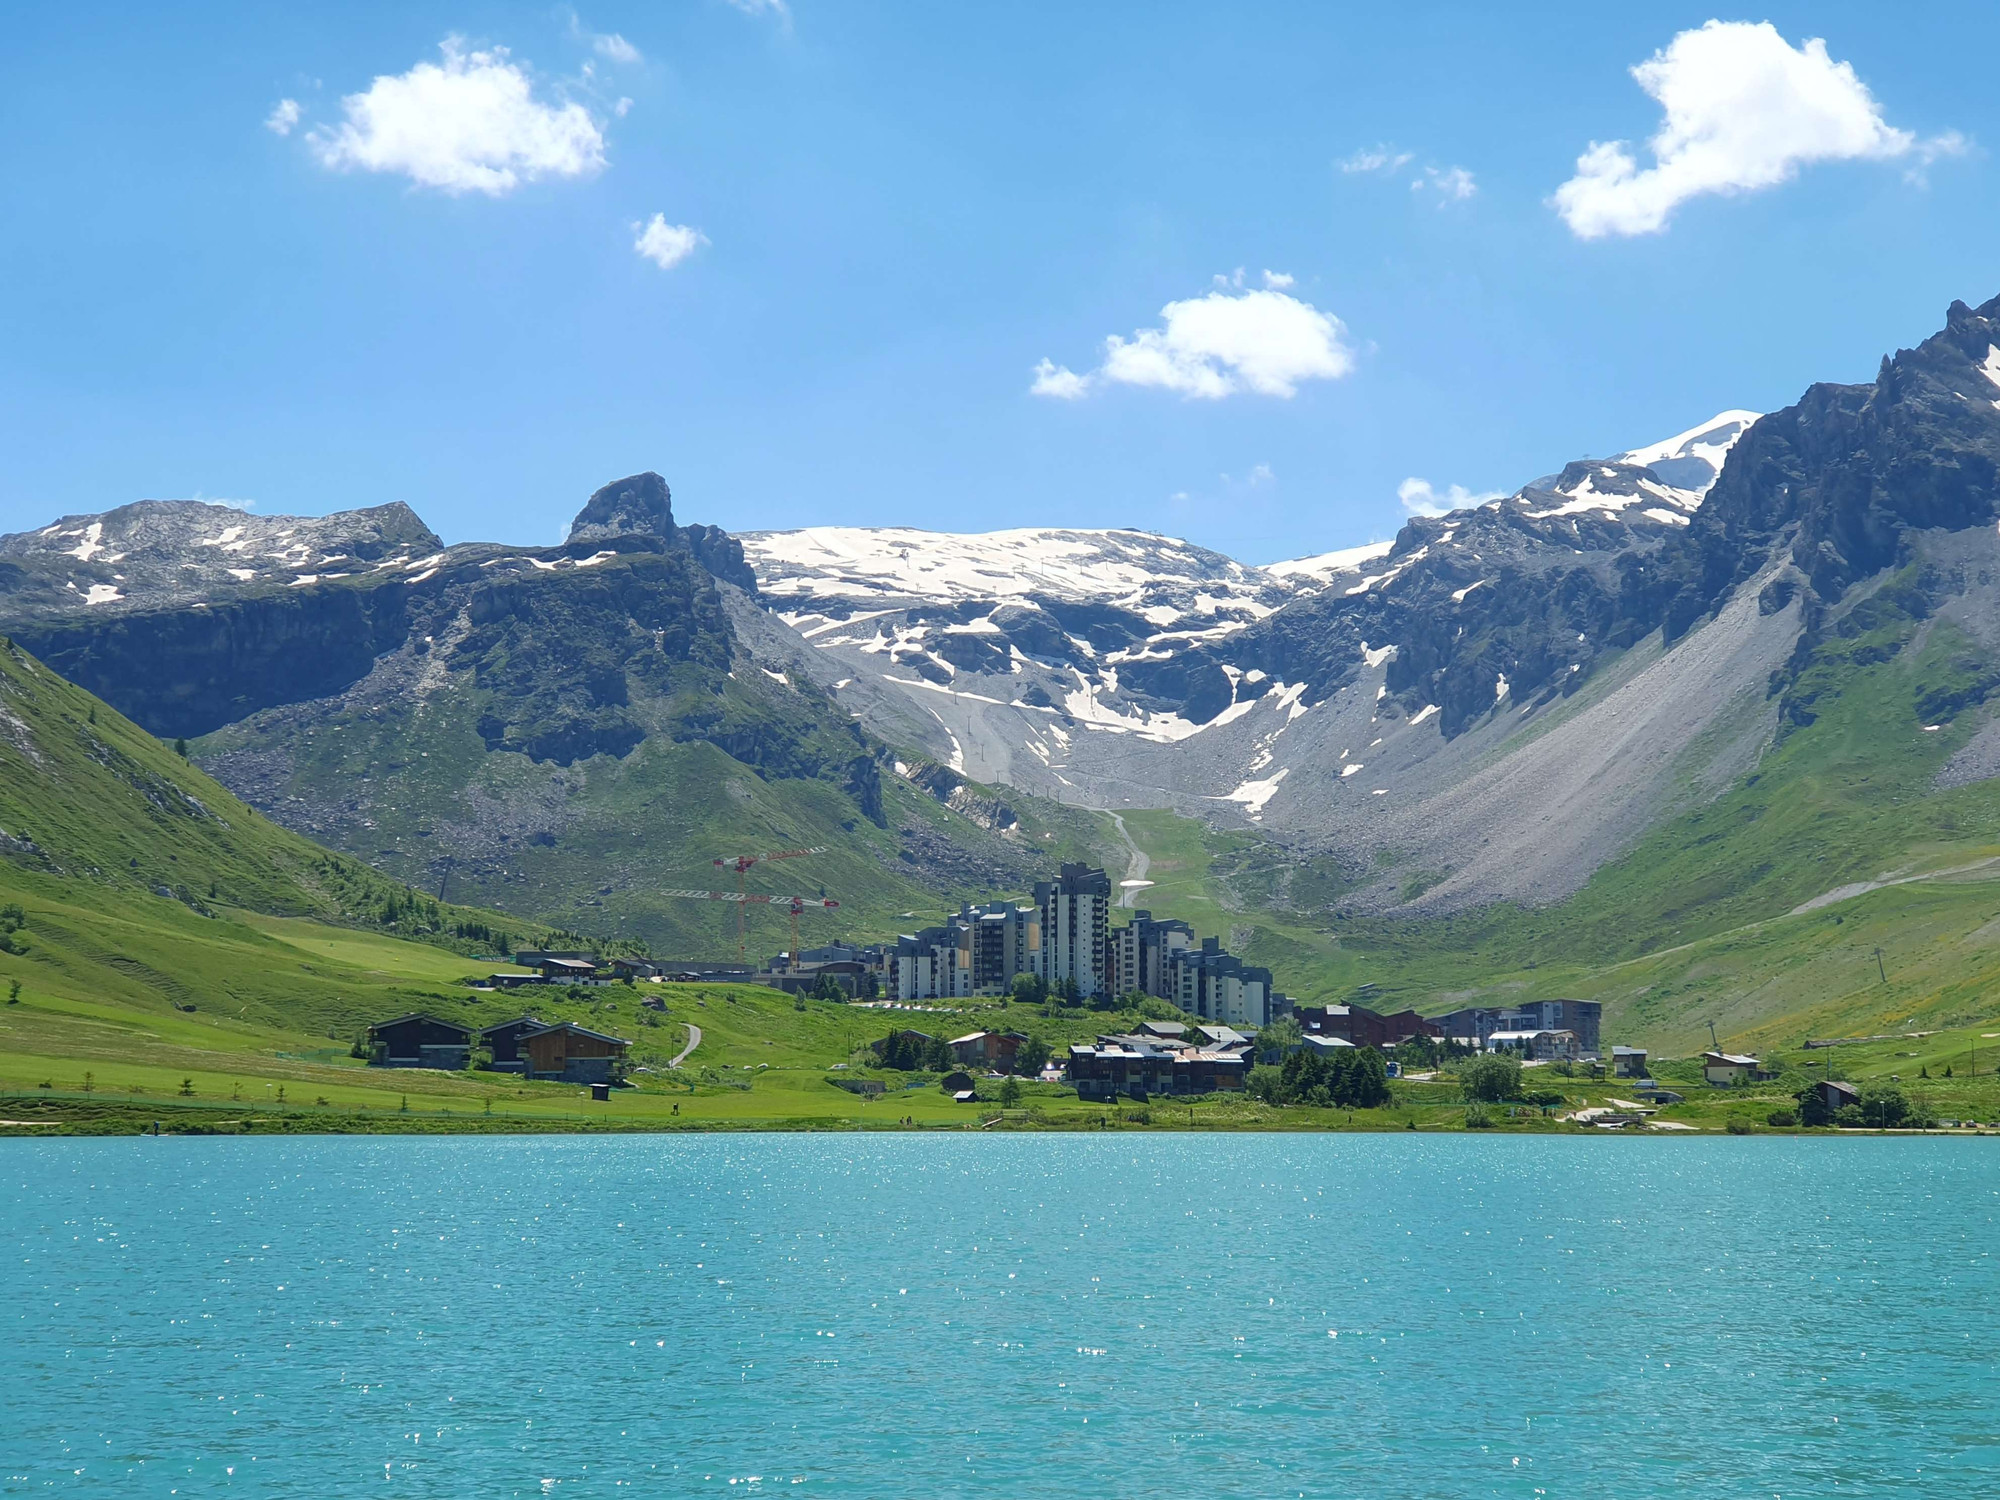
1367 1316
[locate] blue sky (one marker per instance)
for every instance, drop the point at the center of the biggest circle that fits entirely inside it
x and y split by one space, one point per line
887 217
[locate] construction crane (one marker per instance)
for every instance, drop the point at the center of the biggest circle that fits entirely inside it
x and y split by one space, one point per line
741 864
798 904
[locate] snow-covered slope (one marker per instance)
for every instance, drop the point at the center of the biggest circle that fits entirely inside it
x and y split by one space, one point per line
1122 668
163 552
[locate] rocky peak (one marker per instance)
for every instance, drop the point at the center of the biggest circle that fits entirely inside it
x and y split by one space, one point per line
641 505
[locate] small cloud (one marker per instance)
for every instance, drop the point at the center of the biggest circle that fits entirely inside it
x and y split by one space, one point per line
1376 159
1060 384
1420 499
606 44
667 245
1453 184
1744 111
1259 474
616 48
283 116
1222 344
1277 281
469 124
777 9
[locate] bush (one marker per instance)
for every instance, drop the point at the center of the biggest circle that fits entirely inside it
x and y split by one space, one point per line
1478 1117
1489 1080
1544 1099
1010 1092
1739 1126
1784 1119
1849 1117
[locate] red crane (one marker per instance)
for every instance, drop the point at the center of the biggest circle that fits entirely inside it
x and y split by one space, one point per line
741 864
797 904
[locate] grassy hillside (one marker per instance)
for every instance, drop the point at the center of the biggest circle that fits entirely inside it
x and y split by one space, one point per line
93 803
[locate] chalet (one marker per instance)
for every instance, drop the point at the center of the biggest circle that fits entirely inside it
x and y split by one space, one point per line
1362 1026
1114 1065
1142 1066
569 1053
504 1042
635 968
1628 1062
987 1049
512 981
534 958
1835 1095
419 1041
567 970
1725 1068
1169 1031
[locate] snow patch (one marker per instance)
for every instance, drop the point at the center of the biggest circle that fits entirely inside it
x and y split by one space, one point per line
92 543
1254 794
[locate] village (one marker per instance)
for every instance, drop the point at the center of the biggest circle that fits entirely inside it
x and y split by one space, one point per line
1196 1019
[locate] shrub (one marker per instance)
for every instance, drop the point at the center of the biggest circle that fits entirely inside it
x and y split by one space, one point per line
1488 1080
1739 1126
1784 1119
1478 1117
1010 1092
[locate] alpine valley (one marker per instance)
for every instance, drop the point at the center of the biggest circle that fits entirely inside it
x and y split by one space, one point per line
1695 729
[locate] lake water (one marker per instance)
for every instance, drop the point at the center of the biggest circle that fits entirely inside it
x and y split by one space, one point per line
1367 1316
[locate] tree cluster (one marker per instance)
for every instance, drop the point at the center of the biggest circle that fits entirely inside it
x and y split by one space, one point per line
1489 1080
1350 1078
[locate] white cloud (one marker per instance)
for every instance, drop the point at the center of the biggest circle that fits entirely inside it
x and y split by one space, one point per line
1051 379
777 8
1277 281
1453 184
1226 342
1377 159
283 116
1420 499
1744 110
667 245
615 47
1260 474
472 124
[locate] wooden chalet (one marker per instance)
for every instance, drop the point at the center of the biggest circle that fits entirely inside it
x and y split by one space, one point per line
419 1041
569 1053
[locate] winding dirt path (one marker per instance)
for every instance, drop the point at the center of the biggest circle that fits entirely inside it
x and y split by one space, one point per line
694 1041
1139 864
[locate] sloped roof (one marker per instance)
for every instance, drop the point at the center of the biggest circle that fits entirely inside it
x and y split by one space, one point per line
578 1030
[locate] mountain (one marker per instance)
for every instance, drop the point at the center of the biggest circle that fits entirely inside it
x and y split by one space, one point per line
1343 698
564 731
